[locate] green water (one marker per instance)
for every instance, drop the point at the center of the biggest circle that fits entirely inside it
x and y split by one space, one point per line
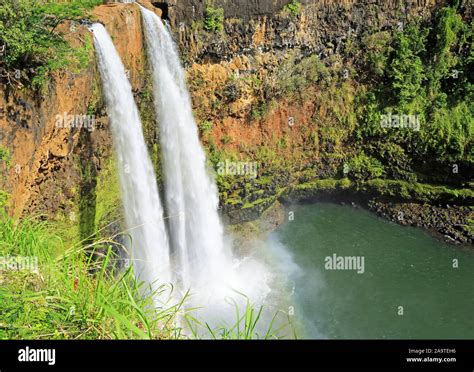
404 266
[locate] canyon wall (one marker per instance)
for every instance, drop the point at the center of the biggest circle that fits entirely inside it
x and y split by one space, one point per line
236 78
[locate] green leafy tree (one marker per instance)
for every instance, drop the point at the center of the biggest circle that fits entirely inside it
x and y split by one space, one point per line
293 8
28 34
214 19
406 70
21 32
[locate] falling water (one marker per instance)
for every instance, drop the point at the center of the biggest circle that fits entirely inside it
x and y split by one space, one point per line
142 206
196 233
202 260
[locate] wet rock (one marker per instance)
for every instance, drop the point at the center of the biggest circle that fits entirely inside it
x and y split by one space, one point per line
449 223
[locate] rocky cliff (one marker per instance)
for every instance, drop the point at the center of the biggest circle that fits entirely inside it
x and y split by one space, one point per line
47 159
275 86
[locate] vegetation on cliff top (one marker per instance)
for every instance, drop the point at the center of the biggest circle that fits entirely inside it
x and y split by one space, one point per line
30 43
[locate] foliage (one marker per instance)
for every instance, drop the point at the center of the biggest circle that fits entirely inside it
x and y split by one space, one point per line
4 196
206 126
417 191
83 294
422 71
62 298
397 189
214 19
293 8
406 71
328 184
246 326
67 9
377 47
449 31
259 110
294 77
226 139
5 155
32 43
363 167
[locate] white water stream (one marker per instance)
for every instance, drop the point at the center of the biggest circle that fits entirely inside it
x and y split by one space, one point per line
141 201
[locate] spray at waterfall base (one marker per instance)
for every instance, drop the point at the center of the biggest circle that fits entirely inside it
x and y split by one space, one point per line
202 258
190 252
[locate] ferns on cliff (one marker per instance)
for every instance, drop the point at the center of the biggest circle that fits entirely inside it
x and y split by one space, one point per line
427 71
214 19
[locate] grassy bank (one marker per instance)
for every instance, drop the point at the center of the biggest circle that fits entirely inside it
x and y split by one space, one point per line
77 295
71 296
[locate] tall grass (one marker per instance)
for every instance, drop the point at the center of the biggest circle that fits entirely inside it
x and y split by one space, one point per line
84 294
77 295
249 325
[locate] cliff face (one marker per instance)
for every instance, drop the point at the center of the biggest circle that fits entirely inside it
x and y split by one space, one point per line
247 92
279 88
253 25
189 11
47 161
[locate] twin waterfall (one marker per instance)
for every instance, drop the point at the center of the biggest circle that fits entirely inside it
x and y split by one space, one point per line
141 201
196 233
184 244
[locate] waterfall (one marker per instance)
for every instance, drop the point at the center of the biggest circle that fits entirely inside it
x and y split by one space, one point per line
141 201
197 257
196 233
202 260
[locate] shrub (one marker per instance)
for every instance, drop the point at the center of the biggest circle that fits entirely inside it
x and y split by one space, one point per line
406 69
206 126
294 77
226 139
293 8
377 48
363 167
28 34
3 200
214 19
259 111
5 155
